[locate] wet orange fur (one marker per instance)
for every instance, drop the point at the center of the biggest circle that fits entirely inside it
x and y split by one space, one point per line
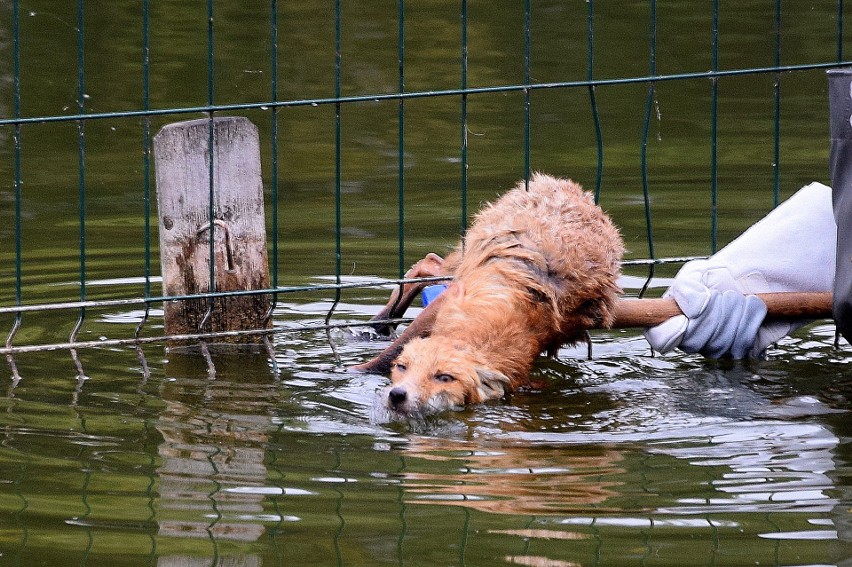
536 270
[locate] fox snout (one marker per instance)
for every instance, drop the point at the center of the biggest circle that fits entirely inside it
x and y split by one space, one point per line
405 399
411 399
397 397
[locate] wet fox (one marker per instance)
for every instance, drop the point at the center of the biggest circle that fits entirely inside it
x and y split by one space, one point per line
537 269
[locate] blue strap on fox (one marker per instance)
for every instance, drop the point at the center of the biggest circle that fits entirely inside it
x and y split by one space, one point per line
429 293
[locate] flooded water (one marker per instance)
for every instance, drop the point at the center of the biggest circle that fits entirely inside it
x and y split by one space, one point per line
119 456
622 460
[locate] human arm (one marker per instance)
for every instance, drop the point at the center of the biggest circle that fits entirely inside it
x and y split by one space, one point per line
791 249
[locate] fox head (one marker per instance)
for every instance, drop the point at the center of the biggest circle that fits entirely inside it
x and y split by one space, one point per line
436 373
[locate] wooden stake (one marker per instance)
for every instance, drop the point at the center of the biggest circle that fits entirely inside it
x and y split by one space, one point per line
238 226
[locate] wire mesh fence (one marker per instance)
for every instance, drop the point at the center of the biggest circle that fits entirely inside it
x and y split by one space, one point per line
591 72
383 125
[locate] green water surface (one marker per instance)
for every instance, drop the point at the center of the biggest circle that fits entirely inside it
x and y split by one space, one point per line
120 456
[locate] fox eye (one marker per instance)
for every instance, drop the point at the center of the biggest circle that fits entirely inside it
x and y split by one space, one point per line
445 378
400 367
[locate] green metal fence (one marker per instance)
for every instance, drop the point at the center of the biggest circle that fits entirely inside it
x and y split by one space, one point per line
24 127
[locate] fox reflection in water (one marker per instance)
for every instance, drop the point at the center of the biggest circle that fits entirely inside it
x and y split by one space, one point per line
513 479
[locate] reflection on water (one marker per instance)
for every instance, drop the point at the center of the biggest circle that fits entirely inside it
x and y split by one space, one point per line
211 459
618 459
694 463
609 460
771 467
512 479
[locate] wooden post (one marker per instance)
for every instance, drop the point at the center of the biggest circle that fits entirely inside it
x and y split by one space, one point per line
238 227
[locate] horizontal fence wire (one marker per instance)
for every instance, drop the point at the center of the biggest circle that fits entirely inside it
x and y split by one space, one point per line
395 96
339 102
147 302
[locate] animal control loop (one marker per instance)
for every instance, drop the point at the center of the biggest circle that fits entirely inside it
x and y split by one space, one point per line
229 252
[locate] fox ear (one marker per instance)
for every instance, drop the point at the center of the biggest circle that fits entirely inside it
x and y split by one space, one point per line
492 384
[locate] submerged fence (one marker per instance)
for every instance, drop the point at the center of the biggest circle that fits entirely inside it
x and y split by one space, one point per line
393 85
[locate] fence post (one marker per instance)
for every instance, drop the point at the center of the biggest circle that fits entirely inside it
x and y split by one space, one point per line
182 157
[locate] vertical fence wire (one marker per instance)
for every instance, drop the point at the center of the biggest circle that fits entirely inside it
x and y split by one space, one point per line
83 518
146 158
465 536
81 158
527 83
151 492
464 131
216 515
649 105
401 134
16 103
776 159
839 31
403 508
211 188
338 257
593 97
211 140
276 531
714 133
146 182
274 111
338 63
273 115
16 87
146 140
338 511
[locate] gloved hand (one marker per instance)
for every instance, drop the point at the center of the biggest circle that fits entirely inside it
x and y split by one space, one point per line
715 323
790 249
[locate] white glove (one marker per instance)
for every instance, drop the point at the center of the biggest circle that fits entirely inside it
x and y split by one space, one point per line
790 249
